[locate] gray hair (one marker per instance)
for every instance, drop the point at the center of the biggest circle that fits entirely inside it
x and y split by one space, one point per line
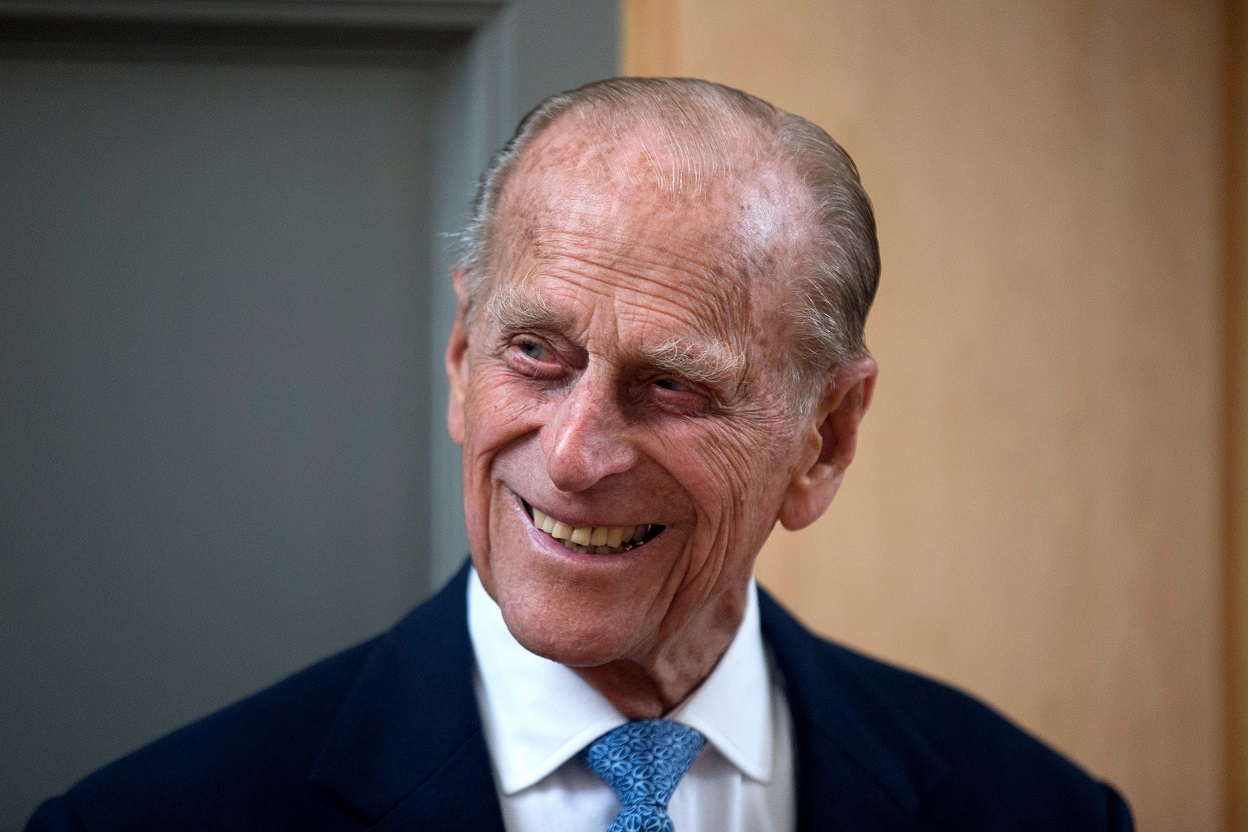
834 281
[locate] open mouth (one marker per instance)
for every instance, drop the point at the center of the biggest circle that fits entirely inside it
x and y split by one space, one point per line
594 540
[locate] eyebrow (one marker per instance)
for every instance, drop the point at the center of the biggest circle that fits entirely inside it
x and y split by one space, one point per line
517 310
715 362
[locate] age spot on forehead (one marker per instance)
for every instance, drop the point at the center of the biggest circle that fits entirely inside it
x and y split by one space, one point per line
584 207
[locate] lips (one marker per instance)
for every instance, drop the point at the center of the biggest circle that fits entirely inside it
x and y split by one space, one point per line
595 540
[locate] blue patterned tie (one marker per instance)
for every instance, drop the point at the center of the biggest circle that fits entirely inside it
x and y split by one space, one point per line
643 762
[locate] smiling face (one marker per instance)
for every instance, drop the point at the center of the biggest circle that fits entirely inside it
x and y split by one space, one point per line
622 382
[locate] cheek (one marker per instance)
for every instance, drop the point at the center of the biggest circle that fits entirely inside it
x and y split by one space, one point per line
734 477
496 410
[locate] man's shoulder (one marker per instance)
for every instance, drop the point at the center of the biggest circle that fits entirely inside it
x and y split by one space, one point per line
938 753
327 748
245 766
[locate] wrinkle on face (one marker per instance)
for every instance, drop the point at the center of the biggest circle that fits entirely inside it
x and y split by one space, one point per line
518 308
755 214
560 240
628 282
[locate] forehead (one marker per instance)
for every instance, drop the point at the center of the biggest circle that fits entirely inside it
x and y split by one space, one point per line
668 232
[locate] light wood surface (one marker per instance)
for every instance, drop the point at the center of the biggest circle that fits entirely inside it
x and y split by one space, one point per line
1036 509
1235 432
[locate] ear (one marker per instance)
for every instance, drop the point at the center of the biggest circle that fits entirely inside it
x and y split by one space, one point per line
831 441
457 361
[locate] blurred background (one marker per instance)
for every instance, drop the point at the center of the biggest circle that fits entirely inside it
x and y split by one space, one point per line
1046 504
223 300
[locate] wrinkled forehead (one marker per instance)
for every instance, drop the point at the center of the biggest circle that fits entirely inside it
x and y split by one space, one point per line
727 213
739 177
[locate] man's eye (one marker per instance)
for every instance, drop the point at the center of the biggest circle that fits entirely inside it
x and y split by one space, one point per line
675 394
535 350
671 384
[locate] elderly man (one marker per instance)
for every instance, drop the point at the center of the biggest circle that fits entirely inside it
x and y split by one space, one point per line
658 356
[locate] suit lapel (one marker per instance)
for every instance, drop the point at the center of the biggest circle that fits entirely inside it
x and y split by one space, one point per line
860 765
407 750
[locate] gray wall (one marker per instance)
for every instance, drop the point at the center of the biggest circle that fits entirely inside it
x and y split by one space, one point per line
222 307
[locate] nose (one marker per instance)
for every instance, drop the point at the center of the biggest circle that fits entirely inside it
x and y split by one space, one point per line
586 442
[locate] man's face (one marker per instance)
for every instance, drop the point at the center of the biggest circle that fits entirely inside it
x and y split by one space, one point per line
623 379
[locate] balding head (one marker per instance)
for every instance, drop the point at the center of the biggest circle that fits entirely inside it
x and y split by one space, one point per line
653 365
703 138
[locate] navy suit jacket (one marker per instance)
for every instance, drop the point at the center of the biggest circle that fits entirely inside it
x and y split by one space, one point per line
386 736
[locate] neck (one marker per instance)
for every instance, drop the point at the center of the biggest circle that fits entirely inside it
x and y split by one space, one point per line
649 687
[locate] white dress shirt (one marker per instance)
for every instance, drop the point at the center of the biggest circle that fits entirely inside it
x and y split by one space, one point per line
538 714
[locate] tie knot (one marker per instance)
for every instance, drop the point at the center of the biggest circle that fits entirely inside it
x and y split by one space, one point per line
643 761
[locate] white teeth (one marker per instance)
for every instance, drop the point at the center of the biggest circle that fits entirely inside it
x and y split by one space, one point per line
599 540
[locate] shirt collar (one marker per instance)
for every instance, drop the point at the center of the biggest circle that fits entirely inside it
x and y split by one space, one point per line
537 714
